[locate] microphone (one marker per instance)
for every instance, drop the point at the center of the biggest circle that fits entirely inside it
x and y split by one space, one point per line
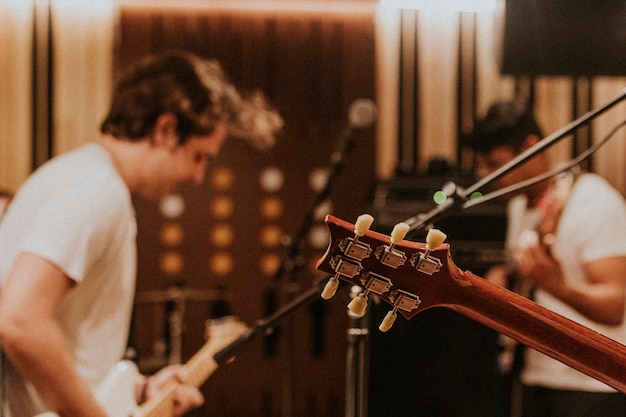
362 113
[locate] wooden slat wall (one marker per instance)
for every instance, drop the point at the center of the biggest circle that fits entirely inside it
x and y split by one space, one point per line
82 39
434 43
312 68
15 95
57 67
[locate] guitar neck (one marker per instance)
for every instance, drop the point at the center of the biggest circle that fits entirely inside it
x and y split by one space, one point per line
199 368
201 365
543 330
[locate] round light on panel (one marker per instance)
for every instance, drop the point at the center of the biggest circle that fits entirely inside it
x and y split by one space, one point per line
221 235
322 210
222 207
272 179
269 264
271 236
221 263
318 179
172 263
319 237
172 206
171 235
271 208
222 179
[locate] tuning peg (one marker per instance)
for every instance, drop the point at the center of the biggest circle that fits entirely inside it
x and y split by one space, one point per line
341 267
398 233
388 321
362 224
358 305
330 288
434 239
352 247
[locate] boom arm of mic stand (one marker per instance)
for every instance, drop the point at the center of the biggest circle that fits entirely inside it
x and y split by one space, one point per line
544 144
460 198
289 263
546 175
264 325
422 220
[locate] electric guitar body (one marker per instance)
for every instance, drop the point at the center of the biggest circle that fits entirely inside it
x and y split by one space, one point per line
116 394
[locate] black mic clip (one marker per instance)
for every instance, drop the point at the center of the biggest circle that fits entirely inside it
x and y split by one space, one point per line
454 192
449 199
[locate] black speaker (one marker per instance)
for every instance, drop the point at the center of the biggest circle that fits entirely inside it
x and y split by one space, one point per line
564 37
440 363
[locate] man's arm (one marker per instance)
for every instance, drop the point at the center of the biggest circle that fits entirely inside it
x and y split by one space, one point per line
602 298
32 340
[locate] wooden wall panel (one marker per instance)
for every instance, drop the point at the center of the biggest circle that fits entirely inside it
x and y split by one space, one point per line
416 119
16 127
311 67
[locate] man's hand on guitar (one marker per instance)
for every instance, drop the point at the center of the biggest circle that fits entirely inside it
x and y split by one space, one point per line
499 275
185 397
536 263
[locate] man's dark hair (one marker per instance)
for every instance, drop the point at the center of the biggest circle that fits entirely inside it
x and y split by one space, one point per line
505 124
196 91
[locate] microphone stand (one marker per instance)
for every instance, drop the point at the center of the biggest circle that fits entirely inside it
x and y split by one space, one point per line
362 114
265 325
357 354
459 198
357 371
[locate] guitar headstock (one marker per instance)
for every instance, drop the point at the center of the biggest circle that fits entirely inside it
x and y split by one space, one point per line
408 275
224 330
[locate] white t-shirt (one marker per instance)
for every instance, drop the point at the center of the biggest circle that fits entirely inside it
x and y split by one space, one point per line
592 226
76 212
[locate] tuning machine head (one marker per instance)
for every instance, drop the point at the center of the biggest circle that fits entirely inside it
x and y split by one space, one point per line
423 261
353 252
387 254
403 300
371 282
